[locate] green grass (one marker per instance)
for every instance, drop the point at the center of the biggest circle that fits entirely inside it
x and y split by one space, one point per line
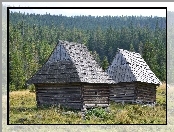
23 110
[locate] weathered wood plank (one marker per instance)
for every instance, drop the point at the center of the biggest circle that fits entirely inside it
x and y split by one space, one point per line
59 99
58 85
94 86
91 96
122 95
145 91
122 92
66 94
61 102
98 92
60 92
95 98
95 105
95 101
90 90
121 100
58 88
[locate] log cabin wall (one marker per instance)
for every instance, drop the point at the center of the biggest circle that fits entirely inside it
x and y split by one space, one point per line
146 92
95 95
64 95
122 92
133 92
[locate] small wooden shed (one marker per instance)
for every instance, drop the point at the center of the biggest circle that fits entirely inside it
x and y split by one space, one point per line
71 78
135 82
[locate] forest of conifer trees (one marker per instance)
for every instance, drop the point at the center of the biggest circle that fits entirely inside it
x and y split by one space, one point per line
32 38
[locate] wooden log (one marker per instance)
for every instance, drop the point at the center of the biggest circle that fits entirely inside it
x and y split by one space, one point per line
121 95
94 90
63 85
96 95
60 92
96 101
122 90
59 88
123 100
95 105
95 98
59 99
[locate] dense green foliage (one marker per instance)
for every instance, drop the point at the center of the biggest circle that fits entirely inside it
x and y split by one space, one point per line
23 110
32 38
89 22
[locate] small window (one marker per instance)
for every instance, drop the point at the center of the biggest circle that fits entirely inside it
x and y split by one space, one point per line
95 93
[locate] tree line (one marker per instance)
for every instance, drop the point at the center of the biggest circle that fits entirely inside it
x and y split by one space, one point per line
32 38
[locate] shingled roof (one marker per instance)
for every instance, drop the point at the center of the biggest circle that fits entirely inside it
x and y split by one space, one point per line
70 62
129 67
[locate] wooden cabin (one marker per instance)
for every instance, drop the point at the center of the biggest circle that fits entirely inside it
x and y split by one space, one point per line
135 82
71 78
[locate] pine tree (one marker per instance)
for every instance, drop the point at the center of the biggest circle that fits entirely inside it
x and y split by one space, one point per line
140 48
105 63
131 48
96 57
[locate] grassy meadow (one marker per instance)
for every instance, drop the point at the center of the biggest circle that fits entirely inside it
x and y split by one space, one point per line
23 110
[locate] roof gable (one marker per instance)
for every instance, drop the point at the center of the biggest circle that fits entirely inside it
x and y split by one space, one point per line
130 66
70 62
